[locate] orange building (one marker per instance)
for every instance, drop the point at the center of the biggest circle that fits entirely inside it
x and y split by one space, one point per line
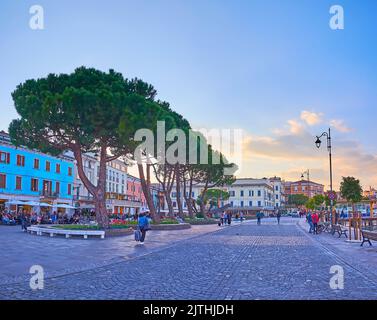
308 188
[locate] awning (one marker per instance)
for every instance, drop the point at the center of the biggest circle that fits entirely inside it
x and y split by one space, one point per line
15 202
31 203
43 204
64 206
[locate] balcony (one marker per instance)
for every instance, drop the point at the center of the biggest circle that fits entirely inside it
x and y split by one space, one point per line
83 198
49 194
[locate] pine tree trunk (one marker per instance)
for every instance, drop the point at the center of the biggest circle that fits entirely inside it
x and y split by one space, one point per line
178 189
147 194
170 204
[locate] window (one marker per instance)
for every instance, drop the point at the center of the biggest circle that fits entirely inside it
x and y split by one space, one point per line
173 194
69 189
57 168
36 163
250 203
231 203
277 197
34 185
70 171
259 203
277 188
21 160
18 183
4 157
3 181
174 204
231 193
241 203
48 165
57 187
259 193
241 193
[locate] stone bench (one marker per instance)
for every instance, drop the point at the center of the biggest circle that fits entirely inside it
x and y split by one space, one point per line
67 233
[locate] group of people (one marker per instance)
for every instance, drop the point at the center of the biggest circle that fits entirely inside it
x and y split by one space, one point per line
8 218
313 219
225 218
25 218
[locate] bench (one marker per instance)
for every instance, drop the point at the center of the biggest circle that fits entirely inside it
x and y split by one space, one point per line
67 233
367 236
340 230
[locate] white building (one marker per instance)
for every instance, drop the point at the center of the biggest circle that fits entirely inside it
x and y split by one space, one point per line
247 194
117 201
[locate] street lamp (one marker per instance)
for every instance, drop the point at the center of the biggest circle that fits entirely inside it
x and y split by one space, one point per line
308 180
318 143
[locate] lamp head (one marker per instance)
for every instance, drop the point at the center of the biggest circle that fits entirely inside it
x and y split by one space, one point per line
318 142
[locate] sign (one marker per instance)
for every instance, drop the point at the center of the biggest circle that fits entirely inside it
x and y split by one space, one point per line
331 195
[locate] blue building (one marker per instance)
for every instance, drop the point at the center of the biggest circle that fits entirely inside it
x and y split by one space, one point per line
32 179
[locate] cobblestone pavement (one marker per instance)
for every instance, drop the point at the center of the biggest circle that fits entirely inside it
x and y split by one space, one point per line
243 262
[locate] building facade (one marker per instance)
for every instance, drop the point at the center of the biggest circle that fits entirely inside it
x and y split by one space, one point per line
305 187
247 195
33 177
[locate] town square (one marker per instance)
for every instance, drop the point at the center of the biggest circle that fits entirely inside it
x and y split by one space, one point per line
188 151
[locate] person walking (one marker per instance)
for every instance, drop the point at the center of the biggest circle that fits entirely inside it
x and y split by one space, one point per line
310 222
315 220
241 216
23 221
225 218
143 224
259 218
229 218
222 218
278 216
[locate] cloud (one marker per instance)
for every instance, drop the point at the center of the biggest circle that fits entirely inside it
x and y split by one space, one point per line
311 118
295 127
340 126
290 152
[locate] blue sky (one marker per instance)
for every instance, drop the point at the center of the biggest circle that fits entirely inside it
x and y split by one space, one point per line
250 64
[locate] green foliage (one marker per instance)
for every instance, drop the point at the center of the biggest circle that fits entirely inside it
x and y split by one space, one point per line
310 204
318 200
297 199
167 221
213 196
351 190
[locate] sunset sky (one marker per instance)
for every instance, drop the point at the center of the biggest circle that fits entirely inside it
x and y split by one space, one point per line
272 68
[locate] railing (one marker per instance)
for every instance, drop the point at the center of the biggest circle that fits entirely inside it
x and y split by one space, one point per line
49 194
85 198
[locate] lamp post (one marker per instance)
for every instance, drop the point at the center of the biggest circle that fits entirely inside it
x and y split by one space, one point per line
308 179
318 144
77 188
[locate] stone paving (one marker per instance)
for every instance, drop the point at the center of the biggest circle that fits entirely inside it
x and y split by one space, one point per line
242 262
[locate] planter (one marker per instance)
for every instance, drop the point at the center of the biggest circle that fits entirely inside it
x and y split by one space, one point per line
118 232
203 222
180 226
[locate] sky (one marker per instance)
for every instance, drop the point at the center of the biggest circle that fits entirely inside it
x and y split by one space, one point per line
273 68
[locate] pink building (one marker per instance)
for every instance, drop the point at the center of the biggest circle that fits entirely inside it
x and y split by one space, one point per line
134 191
